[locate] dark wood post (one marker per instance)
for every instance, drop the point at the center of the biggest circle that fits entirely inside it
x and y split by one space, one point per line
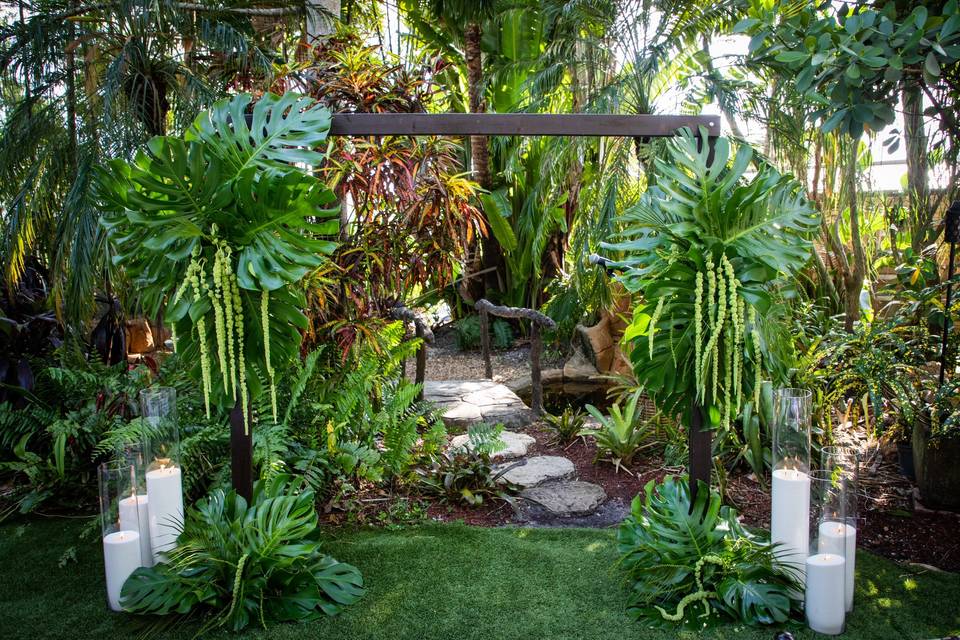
421 359
485 342
241 454
699 439
536 387
700 443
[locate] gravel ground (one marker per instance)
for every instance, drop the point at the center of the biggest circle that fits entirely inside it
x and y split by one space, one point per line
445 361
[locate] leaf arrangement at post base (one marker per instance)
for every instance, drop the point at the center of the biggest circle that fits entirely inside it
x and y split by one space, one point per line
247 564
696 565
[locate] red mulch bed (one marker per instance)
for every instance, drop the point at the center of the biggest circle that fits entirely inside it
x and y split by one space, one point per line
890 525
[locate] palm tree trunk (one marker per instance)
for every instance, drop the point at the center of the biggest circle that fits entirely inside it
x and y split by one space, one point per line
479 154
71 68
492 261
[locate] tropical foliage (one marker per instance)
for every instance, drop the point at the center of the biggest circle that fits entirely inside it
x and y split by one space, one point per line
88 81
465 473
694 563
620 435
712 254
230 197
241 564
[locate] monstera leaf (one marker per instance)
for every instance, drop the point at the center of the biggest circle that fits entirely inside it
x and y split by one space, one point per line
280 131
667 544
236 179
244 563
702 213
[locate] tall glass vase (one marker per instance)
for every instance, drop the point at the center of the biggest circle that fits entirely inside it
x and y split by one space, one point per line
832 543
843 466
790 487
161 447
132 456
120 527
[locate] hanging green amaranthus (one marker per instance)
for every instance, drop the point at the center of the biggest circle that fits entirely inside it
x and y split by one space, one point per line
710 251
218 227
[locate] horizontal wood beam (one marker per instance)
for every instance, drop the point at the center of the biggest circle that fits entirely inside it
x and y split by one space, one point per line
516 124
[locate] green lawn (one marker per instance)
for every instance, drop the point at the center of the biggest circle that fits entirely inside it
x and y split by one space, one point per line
445 581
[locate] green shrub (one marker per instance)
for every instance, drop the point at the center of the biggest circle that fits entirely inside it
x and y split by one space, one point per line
567 426
468 333
621 435
699 565
244 564
465 474
362 400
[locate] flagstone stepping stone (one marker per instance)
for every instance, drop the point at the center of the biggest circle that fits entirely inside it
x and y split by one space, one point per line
467 402
517 444
567 498
530 472
609 514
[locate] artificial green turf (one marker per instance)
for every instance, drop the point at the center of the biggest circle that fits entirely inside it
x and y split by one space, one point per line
446 581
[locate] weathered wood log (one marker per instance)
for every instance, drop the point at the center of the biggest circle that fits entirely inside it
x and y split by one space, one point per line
485 342
537 320
400 312
516 312
425 334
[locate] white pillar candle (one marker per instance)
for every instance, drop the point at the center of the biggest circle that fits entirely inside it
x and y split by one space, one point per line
841 539
789 516
134 516
824 593
165 498
121 557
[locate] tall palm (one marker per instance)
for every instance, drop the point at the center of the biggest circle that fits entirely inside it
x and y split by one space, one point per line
98 80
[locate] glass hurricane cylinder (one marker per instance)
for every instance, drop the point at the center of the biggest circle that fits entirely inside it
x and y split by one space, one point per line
120 528
843 466
826 566
790 486
136 502
161 448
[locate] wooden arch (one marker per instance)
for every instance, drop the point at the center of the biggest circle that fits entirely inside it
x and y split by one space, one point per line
507 124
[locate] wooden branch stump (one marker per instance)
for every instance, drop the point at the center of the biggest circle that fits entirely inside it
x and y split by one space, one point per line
537 321
421 374
485 343
425 334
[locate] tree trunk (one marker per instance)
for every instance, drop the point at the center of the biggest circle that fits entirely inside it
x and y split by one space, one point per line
915 139
559 242
72 93
855 276
492 261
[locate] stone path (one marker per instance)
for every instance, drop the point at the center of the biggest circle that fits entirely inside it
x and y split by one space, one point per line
550 494
534 471
573 498
467 402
